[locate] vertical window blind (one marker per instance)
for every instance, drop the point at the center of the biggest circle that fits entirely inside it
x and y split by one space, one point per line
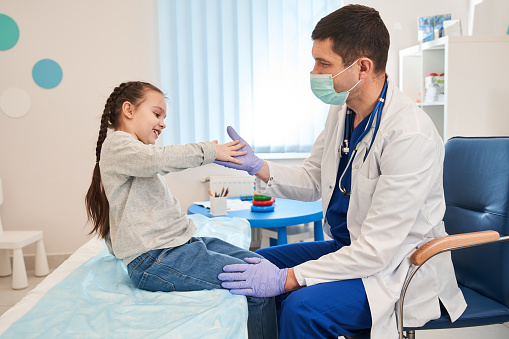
243 63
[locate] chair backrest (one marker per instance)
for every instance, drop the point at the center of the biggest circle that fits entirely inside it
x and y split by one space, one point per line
476 187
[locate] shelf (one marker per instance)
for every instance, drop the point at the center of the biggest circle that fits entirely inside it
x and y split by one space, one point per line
460 58
426 46
433 103
442 42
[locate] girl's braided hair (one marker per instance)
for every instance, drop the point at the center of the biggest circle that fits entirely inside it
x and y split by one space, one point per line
96 202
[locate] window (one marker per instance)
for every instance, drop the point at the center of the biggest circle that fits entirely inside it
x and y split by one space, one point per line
243 63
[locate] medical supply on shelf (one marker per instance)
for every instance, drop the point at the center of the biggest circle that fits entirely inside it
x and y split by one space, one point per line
431 27
434 80
434 88
453 27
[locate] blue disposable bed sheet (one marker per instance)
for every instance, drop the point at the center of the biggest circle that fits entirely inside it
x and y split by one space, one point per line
98 300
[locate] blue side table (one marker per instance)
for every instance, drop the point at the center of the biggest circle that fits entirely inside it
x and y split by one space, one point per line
287 213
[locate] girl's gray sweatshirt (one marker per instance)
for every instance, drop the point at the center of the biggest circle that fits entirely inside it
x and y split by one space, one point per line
144 215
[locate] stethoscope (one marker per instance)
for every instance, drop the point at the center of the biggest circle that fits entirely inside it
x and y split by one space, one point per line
345 149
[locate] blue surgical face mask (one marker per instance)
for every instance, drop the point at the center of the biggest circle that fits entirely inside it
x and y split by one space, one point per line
322 86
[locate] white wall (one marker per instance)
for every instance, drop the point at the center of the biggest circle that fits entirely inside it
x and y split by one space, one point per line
489 17
47 157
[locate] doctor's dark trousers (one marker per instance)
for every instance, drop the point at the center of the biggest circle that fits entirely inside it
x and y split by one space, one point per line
326 310
332 309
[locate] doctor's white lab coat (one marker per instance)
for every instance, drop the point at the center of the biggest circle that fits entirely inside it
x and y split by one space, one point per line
397 204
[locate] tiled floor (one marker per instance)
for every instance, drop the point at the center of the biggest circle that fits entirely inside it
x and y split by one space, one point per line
9 297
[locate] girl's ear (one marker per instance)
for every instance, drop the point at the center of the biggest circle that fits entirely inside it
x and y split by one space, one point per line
127 110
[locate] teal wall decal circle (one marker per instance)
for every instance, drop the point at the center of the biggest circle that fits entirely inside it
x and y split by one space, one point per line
47 73
9 32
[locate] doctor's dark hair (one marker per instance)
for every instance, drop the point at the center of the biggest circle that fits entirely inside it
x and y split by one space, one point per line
98 208
356 31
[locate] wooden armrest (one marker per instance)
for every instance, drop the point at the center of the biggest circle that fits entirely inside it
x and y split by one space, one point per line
434 246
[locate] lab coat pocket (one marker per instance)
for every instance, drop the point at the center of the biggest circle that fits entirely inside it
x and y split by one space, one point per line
365 185
362 195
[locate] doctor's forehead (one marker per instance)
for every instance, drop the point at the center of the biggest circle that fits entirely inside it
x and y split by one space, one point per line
323 50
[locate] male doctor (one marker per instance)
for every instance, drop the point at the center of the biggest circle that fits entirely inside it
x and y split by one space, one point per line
377 166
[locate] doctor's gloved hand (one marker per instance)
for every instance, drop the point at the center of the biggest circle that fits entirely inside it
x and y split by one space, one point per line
250 162
258 278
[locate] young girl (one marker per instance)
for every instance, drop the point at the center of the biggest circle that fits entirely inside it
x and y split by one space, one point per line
132 209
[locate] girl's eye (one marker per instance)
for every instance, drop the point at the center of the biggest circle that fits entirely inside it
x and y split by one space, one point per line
157 114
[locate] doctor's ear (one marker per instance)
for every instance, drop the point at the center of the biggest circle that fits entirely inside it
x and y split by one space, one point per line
127 110
366 66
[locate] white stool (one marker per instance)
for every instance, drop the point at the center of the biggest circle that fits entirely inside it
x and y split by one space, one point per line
295 233
16 240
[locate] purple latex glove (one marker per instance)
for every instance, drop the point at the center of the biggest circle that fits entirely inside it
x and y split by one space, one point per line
250 162
258 278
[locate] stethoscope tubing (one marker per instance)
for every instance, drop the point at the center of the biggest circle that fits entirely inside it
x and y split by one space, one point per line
378 113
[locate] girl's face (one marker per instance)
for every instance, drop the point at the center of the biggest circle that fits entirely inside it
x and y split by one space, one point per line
148 117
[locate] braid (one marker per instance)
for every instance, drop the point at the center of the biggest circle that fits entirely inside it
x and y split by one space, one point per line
102 135
96 202
109 118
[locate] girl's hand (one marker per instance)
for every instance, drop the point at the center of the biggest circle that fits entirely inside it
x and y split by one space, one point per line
250 162
227 152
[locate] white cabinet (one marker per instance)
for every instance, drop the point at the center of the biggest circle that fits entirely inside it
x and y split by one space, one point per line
476 82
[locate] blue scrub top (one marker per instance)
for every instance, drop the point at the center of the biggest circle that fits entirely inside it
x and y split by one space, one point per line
338 205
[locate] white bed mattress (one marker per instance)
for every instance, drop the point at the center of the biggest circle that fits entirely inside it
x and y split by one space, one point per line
90 296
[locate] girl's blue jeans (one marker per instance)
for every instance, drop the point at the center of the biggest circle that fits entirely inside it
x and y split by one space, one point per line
195 266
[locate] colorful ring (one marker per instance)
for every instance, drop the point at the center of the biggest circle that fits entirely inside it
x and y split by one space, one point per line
261 197
262 208
264 202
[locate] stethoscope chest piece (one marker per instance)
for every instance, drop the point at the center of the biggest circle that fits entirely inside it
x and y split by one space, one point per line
344 191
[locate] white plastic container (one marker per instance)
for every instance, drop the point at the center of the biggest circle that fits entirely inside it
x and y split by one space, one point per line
218 206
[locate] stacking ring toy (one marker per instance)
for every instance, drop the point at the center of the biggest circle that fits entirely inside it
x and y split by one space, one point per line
263 202
262 208
261 197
